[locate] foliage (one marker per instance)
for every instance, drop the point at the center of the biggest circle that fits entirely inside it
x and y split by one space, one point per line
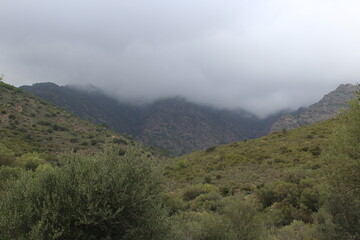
7 174
238 219
243 214
29 124
7 156
255 162
297 230
104 196
30 161
343 207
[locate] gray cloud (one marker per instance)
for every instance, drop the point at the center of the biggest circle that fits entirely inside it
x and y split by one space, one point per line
262 55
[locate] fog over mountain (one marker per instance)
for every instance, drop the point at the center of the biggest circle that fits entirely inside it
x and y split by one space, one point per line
261 56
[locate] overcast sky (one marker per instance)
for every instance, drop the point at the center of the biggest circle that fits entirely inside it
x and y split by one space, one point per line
260 55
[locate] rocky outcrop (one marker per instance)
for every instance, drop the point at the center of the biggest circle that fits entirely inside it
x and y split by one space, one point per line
326 108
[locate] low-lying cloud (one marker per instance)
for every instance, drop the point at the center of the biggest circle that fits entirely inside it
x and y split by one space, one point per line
262 56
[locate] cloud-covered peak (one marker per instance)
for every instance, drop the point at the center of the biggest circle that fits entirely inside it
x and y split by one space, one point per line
262 56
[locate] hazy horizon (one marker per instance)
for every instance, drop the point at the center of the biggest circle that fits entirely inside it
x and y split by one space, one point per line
260 56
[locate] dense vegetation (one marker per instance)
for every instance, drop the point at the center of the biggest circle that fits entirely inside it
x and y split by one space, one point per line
104 196
32 125
299 184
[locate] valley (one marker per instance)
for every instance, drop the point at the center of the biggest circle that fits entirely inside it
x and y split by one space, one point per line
280 184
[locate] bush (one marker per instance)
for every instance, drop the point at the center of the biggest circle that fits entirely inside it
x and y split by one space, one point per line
57 127
210 149
207 202
7 156
297 230
315 151
103 196
120 141
192 191
8 173
243 214
200 226
30 161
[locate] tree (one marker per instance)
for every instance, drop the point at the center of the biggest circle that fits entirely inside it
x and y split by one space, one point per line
342 217
105 196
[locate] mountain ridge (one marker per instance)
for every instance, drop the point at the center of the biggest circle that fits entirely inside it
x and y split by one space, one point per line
326 108
173 123
180 126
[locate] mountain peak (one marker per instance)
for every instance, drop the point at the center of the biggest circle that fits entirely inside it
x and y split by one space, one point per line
326 108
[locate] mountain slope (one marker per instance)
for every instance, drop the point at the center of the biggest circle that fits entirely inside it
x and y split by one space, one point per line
29 124
174 124
326 108
254 162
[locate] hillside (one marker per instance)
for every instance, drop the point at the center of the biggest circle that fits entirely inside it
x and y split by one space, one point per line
252 163
29 124
174 124
282 186
326 108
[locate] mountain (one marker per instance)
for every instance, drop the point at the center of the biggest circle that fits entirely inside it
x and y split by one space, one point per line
30 124
326 108
91 104
174 124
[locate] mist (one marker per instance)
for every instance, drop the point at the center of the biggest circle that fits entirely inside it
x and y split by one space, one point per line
260 56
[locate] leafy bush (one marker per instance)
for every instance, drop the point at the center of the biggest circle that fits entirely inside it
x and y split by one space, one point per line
239 220
297 230
192 191
30 161
7 156
243 214
207 202
8 173
200 226
103 196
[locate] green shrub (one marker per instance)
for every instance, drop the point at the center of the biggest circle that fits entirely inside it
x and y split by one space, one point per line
206 202
173 203
207 179
30 161
103 196
7 156
74 140
297 230
244 217
210 149
57 127
120 141
182 164
200 226
315 151
8 173
192 191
